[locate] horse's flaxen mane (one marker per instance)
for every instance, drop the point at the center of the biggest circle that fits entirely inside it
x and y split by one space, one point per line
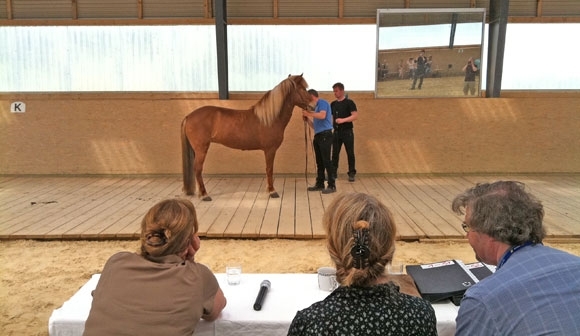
269 106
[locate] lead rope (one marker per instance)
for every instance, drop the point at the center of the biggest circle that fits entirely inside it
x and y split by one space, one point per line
307 139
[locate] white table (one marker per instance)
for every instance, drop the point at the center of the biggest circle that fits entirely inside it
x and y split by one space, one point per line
288 294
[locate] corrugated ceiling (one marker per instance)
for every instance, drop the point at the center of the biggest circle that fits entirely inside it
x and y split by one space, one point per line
14 10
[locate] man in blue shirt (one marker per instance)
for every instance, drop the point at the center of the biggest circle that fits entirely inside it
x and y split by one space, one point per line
321 120
535 289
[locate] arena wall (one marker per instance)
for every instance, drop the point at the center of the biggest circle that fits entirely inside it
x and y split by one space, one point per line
106 133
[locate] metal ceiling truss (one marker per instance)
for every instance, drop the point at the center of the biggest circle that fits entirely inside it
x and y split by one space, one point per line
171 12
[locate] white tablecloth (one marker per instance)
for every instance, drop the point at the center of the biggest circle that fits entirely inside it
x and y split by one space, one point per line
288 294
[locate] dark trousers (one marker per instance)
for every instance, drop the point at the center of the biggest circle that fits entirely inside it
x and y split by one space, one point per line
322 146
420 76
345 137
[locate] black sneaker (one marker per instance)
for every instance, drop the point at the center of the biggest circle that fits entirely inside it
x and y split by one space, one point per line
315 188
329 190
350 177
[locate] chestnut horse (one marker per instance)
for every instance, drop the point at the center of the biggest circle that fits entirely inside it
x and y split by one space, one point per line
260 127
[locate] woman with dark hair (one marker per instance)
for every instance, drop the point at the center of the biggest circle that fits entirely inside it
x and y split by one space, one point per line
161 290
361 241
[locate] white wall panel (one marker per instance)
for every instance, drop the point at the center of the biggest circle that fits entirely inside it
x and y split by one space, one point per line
183 58
261 56
121 58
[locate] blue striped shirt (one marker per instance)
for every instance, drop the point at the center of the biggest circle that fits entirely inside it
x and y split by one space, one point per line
536 292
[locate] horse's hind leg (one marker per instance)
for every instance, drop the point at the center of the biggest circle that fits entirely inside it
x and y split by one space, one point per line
198 164
270 154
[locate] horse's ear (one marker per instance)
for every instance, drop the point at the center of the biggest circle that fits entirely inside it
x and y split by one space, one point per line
301 74
289 75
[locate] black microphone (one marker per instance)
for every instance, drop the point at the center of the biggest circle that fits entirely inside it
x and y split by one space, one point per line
264 286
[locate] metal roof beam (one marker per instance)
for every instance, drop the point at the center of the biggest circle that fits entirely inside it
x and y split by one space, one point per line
498 18
221 33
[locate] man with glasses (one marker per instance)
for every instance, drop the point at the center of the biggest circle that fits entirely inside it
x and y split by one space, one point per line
535 289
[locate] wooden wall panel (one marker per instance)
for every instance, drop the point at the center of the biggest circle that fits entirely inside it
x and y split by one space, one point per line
72 134
308 8
560 8
97 9
177 12
31 9
250 8
5 9
173 8
522 8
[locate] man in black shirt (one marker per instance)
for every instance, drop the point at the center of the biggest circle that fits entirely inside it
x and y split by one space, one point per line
420 63
344 112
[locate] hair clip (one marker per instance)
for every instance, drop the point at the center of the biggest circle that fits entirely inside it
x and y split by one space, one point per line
360 250
155 239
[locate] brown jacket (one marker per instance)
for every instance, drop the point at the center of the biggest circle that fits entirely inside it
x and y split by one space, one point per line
137 296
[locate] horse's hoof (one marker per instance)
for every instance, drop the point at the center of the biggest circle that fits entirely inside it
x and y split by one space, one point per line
206 198
274 194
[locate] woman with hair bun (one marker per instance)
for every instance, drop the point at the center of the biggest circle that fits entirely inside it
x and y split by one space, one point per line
360 234
161 290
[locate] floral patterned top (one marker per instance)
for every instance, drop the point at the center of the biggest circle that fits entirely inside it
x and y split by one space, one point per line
376 310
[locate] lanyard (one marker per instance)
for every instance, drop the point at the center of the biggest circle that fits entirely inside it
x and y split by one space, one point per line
511 251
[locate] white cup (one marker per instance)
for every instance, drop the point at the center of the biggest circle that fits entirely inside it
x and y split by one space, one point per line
395 268
234 274
327 279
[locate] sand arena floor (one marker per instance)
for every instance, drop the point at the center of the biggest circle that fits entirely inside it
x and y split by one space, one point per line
37 277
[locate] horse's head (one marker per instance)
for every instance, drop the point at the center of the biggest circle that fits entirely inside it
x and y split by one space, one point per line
282 99
300 96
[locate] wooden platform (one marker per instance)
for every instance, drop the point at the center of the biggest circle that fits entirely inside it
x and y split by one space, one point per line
54 207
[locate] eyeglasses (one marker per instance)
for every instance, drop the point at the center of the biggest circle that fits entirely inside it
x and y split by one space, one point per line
465 227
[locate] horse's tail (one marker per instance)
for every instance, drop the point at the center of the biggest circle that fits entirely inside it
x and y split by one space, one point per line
187 157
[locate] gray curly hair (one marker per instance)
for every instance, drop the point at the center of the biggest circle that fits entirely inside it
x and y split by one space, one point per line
503 210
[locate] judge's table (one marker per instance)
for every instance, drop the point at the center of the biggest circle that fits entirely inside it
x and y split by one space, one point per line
288 294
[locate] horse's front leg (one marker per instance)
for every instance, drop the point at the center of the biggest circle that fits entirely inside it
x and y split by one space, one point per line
270 154
198 164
